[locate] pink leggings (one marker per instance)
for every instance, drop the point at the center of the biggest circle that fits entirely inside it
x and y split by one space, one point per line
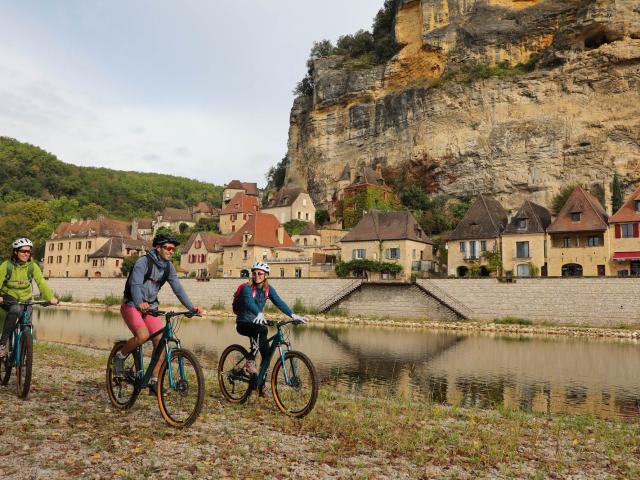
135 320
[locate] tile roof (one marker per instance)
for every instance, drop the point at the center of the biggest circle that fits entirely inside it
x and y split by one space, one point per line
628 212
145 223
211 241
202 207
241 203
310 229
176 215
284 198
593 217
377 225
263 231
538 219
485 219
102 227
250 188
115 247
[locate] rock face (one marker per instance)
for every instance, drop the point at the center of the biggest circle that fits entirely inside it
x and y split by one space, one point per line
574 118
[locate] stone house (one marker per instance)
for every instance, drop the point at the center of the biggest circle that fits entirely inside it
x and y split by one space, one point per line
236 186
203 254
143 228
394 237
68 250
524 241
258 239
172 218
579 243
624 238
107 260
291 203
309 236
477 235
204 210
236 212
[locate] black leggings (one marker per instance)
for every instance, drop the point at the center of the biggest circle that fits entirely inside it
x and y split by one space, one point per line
258 335
13 310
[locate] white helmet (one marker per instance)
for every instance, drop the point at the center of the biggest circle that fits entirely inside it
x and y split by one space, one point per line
264 266
22 242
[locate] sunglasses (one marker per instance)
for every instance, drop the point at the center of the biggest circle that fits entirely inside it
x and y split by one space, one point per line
258 272
169 248
24 251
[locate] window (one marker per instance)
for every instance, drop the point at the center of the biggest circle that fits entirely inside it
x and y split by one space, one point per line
50 259
637 202
462 248
298 273
392 253
59 259
60 246
117 263
88 244
545 249
483 246
522 249
593 241
198 243
282 273
78 245
95 262
359 253
305 241
304 203
627 230
522 224
76 259
245 254
566 242
473 252
523 270
51 246
575 216
233 228
306 217
299 215
413 254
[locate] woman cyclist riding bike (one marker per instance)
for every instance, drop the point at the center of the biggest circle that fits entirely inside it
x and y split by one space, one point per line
251 322
16 275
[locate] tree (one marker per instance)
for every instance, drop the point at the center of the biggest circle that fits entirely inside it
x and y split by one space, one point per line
561 198
276 175
322 217
295 227
616 193
127 264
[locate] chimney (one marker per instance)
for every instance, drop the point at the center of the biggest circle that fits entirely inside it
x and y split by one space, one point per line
280 234
134 228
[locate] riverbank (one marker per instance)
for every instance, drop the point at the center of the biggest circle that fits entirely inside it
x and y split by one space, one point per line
504 326
67 429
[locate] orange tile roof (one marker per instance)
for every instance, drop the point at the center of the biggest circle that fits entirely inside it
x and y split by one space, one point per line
250 188
240 203
209 239
102 227
627 213
593 217
263 231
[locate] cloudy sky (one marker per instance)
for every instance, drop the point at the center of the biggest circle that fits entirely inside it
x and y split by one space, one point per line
196 88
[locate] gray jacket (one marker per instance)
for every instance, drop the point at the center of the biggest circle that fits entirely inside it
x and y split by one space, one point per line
147 292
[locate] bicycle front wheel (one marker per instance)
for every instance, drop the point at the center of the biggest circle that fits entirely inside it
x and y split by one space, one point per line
24 367
235 383
181 400
294 384
121 389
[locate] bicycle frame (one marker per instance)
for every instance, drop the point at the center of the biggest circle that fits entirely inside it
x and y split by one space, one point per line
23 324
275 342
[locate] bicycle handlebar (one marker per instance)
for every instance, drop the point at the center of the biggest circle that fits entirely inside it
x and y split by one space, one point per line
43 303
168 314
281 323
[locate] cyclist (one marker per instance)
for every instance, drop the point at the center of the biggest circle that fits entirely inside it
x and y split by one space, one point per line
145 280
251 322
16 275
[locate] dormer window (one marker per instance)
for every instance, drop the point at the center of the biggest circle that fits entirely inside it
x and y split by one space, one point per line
246 237
522 223
637 203
575 216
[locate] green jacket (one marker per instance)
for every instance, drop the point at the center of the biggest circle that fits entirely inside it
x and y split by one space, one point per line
18 285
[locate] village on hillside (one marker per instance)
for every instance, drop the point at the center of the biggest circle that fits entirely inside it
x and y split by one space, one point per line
377 240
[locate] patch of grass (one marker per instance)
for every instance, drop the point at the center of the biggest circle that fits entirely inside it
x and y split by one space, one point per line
63 297
108 300
219 305
301 309
508 320
337 312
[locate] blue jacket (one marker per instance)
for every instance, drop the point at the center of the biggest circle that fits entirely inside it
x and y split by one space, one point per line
148 291
249 307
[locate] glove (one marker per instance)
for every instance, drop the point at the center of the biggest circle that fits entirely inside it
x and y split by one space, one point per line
260 319
298 318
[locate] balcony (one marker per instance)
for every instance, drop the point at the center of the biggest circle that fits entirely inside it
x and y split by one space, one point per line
471 258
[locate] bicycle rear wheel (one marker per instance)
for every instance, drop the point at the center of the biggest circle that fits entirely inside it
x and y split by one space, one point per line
6 364
294 384
24 367
235 383
181 404
121 390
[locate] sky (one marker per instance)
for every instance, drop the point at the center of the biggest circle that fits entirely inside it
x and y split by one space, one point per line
195 88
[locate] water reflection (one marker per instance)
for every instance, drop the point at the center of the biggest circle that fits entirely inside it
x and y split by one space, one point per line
532 374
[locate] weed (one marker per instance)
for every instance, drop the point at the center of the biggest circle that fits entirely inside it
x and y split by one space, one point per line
508 320
64 297
300 308
107 300
219 305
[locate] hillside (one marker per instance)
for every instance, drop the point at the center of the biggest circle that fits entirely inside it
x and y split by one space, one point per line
28 172
510 98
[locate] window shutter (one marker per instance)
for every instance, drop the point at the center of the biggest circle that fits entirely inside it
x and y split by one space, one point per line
618 232
635 230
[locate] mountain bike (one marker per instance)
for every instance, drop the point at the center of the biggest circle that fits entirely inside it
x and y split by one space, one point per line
180 387
20 351
294 381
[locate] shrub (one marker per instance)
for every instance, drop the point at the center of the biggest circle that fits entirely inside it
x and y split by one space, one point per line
509 320
64 297
363 265
300 308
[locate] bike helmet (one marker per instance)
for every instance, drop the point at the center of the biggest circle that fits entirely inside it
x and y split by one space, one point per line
22 242
264 266
162 238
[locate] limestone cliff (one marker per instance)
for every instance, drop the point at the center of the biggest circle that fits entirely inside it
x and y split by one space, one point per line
574 118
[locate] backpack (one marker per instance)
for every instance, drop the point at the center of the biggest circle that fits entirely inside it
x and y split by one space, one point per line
235 304
147 276
7 277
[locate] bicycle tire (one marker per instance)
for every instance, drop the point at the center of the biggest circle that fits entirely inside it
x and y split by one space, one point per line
234 383
171 402
122 392
6 364
24 368
297 397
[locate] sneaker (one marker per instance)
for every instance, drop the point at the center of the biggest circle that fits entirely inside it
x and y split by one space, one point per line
118 365
153 389
250 367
